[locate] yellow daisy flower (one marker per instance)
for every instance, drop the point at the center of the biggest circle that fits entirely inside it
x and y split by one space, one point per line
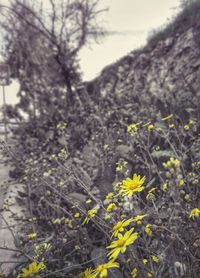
131 186
102 270
119 227
195 213
120 245
33 268
88 273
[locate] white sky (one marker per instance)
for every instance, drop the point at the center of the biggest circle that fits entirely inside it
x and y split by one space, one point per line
132 20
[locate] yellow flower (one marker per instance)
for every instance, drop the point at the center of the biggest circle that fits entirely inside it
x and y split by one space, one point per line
110 195
106 147
69 222
131 186
107 216
42 247
119 168
88 273
77 215
133 128
149 275
150 127
196 181
148 230
111 207
145 261
172 162
56 221
91 213
155 258
119 227
33 268
175 162
32 235
164 186
181 182
187 197
171 125
102 270
134 273
167 118
195 213
138 218
120 245
61 125
186 127
77 247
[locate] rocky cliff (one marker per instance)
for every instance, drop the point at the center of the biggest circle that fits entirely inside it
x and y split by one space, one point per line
168 70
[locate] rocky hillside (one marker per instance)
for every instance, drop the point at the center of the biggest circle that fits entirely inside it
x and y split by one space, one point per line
168 70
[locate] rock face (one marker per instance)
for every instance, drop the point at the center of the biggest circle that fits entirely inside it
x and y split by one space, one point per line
172 67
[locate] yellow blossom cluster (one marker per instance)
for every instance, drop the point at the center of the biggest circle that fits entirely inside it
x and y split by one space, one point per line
172 163
133 128
121 164
90 214
123 235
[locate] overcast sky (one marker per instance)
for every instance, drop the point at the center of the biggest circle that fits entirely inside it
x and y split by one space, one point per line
130 21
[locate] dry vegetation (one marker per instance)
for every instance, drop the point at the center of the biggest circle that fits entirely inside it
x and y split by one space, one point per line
112 187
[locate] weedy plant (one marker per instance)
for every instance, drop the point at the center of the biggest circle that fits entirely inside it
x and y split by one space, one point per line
146 227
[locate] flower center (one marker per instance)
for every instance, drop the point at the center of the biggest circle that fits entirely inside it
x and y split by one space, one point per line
100 268
121 242
134 185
